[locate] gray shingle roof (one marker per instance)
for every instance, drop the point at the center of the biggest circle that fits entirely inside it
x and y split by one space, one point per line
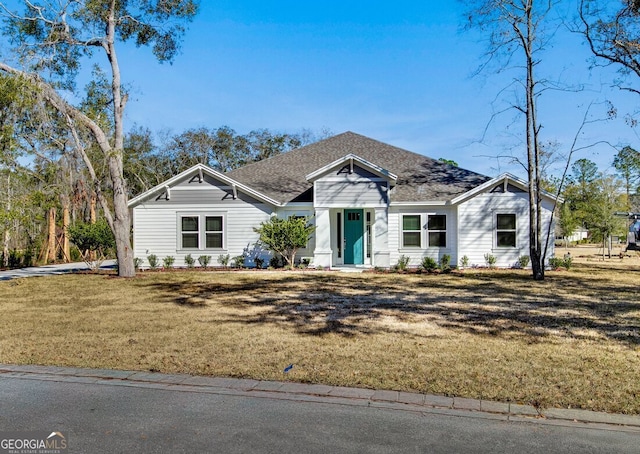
420 179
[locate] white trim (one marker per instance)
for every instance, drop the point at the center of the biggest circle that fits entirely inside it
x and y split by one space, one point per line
495 214
407 204
420 230
446 231
202 169
202 216
350 158
504 178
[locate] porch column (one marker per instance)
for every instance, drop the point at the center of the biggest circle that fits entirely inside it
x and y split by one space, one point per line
322 253
381 253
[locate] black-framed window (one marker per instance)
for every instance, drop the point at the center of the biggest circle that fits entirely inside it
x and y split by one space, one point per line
411 231
506 230
214 232
190 232
201 231
437 230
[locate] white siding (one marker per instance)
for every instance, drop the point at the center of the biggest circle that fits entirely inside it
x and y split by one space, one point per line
350 190
477 233
156 225
301 210
417 254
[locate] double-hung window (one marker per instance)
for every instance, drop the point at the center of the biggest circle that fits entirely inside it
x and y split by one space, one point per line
437 230
190 232
213 232
201 231
411 231
506 230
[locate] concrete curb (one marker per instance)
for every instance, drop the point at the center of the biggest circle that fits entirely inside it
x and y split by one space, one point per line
320 393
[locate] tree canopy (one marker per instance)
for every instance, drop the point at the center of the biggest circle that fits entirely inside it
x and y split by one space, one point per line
52 41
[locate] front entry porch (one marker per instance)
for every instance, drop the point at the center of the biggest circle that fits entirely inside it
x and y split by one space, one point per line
351 238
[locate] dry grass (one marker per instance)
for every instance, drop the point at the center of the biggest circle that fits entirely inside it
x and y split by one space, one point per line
570 341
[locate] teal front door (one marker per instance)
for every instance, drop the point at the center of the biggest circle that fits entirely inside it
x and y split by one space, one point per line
353 237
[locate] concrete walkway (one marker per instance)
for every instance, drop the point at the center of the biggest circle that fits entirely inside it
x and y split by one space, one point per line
323 394
48 270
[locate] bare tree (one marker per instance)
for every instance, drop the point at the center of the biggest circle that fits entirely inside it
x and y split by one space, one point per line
516 34
53 39
612 31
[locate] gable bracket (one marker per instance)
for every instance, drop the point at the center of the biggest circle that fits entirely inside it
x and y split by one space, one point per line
200 177
235 191
350 165
168 189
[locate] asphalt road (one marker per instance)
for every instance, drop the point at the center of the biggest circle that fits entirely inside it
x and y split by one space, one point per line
113 418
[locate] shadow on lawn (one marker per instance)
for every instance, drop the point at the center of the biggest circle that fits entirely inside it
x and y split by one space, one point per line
501 303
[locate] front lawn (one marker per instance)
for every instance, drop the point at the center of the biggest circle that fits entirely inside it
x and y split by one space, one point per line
570 341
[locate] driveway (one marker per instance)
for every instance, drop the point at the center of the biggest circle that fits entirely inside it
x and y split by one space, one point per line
48 270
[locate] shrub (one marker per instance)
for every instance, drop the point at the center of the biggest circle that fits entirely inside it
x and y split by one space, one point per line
75 253
137 261
445 262
285 236
403 262
491 260
557 262
275 262
189 261
464 261
153 261
568 262
204 260
523 261
429 264
15 258
168 261
95 241
304 263
222 260
259 262
238 261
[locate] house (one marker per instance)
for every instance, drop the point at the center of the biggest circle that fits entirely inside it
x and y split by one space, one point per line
579 234
371 203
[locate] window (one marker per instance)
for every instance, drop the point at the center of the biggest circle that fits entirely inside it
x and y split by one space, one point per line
201 231
437 230
506 230
411 231
190 232
213 232
339 230
369 241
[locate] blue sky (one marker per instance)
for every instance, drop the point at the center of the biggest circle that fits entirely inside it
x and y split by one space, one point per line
399 72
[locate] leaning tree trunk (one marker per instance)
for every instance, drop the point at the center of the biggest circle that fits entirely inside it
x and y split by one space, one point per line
121 223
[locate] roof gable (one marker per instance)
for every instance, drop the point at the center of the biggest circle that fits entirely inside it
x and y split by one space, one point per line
350 159
418 178
201 172
507 183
